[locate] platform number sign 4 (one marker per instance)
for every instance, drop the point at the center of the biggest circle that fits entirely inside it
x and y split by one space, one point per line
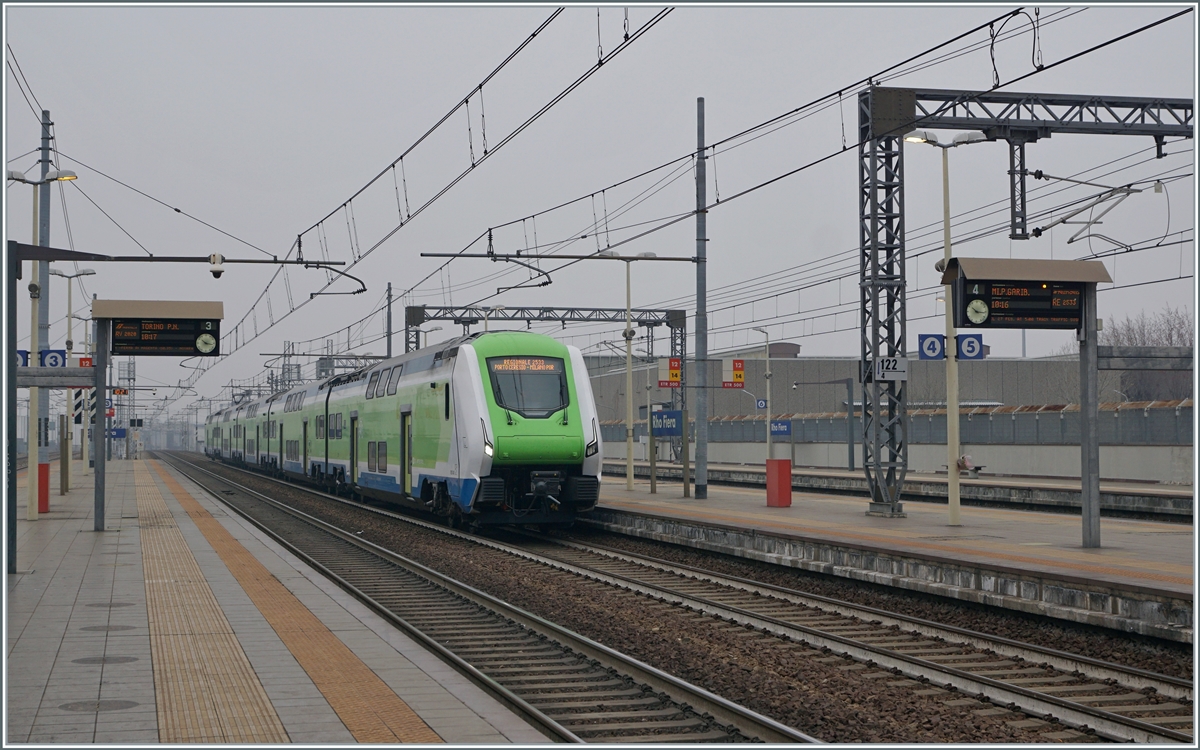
891 368
932 346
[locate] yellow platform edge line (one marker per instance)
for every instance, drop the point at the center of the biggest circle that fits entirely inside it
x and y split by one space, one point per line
366 705
192 643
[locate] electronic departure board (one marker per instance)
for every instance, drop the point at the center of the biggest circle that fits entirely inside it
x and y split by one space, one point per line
1018 304
525 364
166 337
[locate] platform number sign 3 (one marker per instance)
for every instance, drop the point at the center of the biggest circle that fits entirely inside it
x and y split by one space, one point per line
54 357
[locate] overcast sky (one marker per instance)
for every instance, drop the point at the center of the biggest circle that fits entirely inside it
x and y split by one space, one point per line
262 120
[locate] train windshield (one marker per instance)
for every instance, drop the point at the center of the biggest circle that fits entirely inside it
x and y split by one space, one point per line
534 387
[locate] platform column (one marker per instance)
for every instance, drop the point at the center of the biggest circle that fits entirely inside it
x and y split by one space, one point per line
99 432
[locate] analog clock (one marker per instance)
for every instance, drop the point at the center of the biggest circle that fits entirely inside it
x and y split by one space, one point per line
977 311
205 343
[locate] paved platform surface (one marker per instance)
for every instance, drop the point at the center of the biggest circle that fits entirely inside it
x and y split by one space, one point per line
182 623
1149 554
1148 499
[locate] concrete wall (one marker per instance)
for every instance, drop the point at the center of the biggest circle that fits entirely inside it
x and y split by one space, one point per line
1011 382
1152 463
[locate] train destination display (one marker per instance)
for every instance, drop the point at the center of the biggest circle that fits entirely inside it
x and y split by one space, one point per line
166 337
1019 304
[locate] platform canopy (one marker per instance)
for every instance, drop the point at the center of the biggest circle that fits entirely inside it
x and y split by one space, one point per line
148 308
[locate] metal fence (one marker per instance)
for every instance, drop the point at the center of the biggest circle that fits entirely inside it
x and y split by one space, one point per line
1118 426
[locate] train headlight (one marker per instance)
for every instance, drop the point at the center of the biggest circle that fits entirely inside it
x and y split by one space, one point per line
593 447
488 448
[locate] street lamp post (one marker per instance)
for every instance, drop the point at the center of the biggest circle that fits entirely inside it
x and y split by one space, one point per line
763 331
952 437
628 363
70 361
486 310
39 297
436 328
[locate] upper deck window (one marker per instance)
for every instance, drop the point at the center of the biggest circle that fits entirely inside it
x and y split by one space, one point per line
534 387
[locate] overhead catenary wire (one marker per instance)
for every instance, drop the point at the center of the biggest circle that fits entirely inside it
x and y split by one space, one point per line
364 253
179 211
778 122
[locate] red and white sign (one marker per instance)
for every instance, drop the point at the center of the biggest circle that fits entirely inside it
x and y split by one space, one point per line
733 373
110 413
669 372
85 362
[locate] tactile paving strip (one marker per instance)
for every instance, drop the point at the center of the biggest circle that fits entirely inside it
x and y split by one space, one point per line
366 705
204 687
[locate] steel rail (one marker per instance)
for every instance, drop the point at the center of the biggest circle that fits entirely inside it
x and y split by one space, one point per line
1132 677
700 700
1112 725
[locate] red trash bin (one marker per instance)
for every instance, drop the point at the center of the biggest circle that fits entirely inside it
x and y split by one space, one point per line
779 483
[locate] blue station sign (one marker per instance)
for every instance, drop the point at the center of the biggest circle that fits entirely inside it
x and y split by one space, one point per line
667 423
781 427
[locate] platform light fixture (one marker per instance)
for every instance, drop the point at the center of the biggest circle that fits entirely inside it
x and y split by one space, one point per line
952 441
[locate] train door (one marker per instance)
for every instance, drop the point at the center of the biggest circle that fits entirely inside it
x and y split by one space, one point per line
257 438
353 449
406 452
305 442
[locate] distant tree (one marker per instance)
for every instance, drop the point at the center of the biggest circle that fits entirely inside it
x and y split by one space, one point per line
1173 326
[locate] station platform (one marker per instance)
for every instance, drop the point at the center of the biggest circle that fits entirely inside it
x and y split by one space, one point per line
1141 578
1167 501
182 622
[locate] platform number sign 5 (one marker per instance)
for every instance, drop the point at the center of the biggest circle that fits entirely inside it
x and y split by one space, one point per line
891 368
970 346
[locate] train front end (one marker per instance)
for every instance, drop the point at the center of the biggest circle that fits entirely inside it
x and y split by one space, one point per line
541 444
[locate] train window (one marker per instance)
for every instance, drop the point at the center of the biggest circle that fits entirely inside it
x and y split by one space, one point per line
320 427
338 428
371 385
381 456
447 401
383 381
371 456
534 387
391 389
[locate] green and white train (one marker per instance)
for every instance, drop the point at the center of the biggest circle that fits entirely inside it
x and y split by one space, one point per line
492 428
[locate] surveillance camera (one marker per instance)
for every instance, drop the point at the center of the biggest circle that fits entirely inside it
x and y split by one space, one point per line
216 259
794 386
35 291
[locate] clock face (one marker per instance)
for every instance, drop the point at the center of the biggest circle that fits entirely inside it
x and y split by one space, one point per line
977 311
205 343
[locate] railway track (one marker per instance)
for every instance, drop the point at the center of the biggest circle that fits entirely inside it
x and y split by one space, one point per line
572 688
1115 700
1119 703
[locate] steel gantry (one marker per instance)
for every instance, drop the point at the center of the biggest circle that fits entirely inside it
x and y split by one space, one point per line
885 115
675 320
